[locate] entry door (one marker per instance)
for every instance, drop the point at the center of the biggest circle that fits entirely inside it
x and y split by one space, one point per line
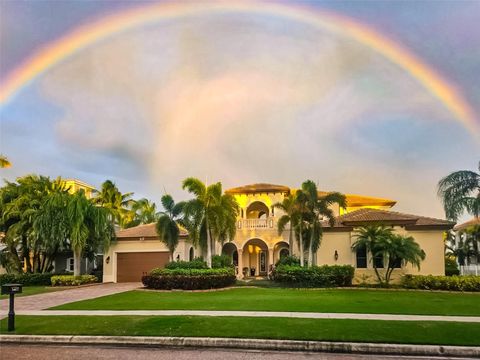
263 263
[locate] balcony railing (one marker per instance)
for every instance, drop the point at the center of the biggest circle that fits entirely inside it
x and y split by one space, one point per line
470 269
256 223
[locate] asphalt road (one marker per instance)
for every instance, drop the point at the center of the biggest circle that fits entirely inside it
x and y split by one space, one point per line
39 352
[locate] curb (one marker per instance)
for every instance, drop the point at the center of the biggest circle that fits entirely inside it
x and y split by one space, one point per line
250 344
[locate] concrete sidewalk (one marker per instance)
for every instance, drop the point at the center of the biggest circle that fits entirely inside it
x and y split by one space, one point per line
298 315
51 299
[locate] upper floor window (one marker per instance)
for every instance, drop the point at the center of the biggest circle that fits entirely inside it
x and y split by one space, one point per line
257 210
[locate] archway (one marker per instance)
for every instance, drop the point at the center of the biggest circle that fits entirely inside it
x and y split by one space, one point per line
281 249
257 210
191 254
255 258
230 249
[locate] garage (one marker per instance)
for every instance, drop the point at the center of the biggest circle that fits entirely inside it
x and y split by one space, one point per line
132 265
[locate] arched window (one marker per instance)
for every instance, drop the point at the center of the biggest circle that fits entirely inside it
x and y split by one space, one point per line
191 254
284 253
235 257
362 257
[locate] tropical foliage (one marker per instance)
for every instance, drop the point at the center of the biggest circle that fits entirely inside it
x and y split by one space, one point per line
4 163
167 224
460 192
314 276
387 248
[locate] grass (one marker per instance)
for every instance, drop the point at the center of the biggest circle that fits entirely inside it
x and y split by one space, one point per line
443 333
33 290
263 299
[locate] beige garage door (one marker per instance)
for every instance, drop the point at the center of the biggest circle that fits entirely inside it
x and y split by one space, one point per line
131 266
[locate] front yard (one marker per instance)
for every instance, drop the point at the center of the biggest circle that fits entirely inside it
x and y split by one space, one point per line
444 333
273 299
33 290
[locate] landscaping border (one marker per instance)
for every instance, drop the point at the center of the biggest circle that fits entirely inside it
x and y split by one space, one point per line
250 344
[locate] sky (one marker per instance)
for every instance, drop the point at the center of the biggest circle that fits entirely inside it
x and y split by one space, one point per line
244 97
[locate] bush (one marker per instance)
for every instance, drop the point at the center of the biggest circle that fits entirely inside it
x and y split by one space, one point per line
189 279
316 276
451 266
71 280
288 260
221 261
197 263
452 283
26 279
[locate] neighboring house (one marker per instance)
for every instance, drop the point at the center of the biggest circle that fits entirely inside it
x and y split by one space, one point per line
258 246
75 185
467 236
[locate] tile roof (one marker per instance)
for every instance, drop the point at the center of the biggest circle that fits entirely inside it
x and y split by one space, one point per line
366 216
258 188
143 231
472 222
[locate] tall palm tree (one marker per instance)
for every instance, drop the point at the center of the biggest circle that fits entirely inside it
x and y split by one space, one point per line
289 207
4 163
145 212
319 208
167 224
301 221
210 216
460 192
119 205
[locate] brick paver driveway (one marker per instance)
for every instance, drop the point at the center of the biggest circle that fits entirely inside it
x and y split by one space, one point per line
47 300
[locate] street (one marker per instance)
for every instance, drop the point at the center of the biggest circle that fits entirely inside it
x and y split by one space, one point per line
38 352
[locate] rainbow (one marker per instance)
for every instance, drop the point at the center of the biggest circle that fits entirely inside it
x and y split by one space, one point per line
90 33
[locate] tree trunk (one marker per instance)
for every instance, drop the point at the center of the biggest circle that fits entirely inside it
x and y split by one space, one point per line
310 250
209 245
290 240
77 262
301 247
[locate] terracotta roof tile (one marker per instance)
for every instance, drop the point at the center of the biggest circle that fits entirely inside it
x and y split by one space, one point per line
366 216
258 188
472 222
145 230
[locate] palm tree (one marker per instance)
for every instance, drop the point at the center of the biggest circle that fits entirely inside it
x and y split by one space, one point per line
382 242
4 163
460 191
301 221
145 212
289 207
118 204
210 216
167 224
318 209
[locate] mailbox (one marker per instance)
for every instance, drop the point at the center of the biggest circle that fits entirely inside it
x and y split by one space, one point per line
11 289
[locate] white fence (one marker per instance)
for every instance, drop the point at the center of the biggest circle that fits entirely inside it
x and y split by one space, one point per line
470 269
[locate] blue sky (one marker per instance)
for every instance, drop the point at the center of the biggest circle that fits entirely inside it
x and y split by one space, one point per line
243 99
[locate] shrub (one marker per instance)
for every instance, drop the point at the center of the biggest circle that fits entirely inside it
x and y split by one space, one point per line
451 266
71 280
452 283
197 263
315 276
221 261
189 279
288 260
26 279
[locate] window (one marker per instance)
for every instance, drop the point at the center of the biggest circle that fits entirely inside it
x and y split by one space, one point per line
397 263
283 253
378 261
362 257
70 265
191 254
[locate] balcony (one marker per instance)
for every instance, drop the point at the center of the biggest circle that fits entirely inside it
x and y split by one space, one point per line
268 223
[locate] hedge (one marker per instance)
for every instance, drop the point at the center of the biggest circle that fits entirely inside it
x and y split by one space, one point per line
26 279
197 263
189 279
315 276
71 280
453 283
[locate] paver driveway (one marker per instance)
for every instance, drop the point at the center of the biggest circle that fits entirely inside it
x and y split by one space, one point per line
48 300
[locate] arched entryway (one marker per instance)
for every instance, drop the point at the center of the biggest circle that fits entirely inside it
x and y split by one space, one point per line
281 249
257 210
255 258
230 249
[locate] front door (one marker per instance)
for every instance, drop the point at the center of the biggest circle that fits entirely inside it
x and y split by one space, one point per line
263 263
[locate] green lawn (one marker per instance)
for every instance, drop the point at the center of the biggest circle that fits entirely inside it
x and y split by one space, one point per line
263 299
33 290
266 328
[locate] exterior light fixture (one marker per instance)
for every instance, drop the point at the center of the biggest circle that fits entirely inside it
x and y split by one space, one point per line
107 260
336 255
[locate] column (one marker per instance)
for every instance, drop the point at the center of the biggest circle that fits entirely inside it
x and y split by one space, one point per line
270 259
240 264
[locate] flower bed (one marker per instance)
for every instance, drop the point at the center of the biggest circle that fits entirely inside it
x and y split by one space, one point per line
452 283
189 279
71 280
315 276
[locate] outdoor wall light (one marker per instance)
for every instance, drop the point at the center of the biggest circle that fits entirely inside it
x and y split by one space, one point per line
107 260
336 255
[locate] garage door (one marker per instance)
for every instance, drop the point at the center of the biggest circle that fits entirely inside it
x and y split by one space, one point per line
131 266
